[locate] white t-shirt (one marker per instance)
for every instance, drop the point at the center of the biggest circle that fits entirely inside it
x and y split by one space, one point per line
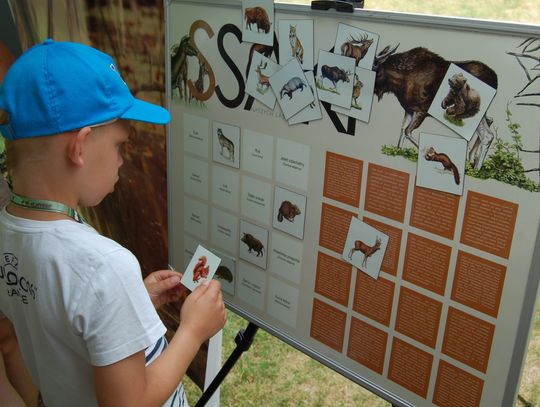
76 299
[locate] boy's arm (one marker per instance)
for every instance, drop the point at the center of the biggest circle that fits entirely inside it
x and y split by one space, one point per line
15 381
129 383
9 395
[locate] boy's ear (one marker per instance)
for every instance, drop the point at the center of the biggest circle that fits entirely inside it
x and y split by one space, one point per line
76 144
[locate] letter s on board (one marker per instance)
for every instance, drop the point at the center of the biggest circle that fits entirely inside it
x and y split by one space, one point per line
202 25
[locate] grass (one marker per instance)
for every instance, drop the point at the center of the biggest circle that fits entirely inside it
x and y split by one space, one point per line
272 373
523 11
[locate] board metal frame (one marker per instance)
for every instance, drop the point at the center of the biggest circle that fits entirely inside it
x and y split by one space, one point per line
532 292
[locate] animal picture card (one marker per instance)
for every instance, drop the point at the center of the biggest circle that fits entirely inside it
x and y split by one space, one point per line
296 41
202 267
291 88
362 96
226 144
334 78
289 214
441 163
258 21
253 244
356 43
461 101
226 272
311 111
365 247
258 84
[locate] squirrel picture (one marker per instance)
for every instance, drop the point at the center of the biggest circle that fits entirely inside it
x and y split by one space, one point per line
448 165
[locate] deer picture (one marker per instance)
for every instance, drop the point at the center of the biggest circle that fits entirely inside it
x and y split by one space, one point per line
296 46
356 48
262 78
366 249
357 88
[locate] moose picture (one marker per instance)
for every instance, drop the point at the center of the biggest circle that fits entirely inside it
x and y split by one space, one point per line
291 89
258 18
356 43
258 80
417 86
253 244
296 41
334 78
365 247
441 163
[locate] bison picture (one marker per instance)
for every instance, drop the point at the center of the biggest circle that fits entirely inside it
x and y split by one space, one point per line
414 76
334 74
259 17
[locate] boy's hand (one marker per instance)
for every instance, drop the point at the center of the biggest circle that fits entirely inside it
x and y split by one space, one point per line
164 286
203 313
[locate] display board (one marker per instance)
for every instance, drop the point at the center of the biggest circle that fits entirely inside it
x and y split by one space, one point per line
326 167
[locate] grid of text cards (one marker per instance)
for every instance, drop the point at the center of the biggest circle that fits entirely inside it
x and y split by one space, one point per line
245 197
400 288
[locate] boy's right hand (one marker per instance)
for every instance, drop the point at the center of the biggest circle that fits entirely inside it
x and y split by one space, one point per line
203 313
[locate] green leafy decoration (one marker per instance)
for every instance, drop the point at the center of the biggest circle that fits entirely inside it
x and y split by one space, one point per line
503 164
410 154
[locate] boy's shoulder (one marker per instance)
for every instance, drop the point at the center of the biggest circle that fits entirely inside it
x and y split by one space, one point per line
65 236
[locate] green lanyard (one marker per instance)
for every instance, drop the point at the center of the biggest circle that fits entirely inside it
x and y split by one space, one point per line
46 206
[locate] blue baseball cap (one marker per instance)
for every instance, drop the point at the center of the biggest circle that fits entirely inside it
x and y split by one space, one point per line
56 87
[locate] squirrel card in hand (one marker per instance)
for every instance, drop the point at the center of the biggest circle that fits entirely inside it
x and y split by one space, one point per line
202 267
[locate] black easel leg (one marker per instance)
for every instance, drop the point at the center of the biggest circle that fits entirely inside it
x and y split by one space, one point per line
243 341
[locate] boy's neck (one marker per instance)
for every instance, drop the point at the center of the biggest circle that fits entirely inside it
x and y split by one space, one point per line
38 214
33 214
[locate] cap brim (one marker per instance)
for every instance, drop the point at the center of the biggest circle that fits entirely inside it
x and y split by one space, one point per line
147 112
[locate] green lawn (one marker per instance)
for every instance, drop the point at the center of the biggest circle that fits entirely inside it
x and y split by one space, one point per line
273 373
524 11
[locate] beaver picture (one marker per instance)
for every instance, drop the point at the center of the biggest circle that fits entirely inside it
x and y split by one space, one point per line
288 211
223 273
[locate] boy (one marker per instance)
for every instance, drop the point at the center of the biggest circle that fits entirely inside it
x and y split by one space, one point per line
85 321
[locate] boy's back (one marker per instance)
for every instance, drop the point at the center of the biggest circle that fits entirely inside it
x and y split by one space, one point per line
73 288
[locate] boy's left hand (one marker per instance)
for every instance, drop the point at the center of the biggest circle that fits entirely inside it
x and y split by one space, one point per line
164 286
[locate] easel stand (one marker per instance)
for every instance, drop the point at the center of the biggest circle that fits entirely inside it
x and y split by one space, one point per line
243 341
